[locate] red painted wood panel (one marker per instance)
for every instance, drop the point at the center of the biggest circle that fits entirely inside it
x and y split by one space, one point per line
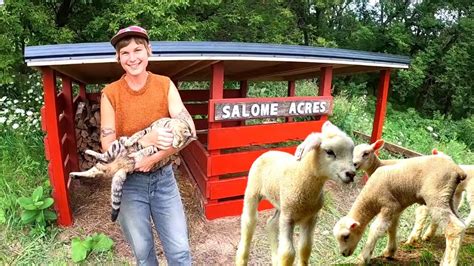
239 161
291 93
227 188
196 108
231 137
199 153
381 107
196 171
200 123
69 114
94 97
230 208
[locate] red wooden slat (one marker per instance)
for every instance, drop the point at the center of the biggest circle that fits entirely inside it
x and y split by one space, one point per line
326 81
381 107
60 103
82 91
291 93
70 125
227 188
238 162
94 97
199 153
231 137
202 137
194 95
200 123
230 208
196 108
196 171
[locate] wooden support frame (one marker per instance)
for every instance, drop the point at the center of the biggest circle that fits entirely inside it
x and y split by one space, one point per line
291 93
56 154
381 106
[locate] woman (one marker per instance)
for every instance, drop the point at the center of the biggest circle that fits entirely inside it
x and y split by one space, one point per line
131 104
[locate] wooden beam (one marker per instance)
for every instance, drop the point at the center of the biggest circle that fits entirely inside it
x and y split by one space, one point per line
393 148
282 69
191 69
381 107
291 92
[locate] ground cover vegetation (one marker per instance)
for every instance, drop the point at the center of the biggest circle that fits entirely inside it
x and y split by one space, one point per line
430 104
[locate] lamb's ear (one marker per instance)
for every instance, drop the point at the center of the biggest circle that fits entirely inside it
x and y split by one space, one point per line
354 225
312 141
327 125
378 144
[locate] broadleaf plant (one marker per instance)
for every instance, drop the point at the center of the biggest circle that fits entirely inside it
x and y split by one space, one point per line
80 249
36 208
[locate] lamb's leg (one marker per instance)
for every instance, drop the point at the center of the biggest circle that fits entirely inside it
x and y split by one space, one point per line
421 215
454 232
377 230
306 240
247 223
116 195
391 247
470 200
286 250
431 231
272 228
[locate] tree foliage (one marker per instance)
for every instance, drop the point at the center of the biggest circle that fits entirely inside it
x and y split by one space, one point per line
437 35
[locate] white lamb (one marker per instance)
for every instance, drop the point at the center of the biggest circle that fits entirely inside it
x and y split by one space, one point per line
429 180
422 212
293 184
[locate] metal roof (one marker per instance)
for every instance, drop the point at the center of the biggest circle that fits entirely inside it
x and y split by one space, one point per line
96 63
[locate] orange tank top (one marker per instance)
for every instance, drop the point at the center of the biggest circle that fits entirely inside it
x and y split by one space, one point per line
136 110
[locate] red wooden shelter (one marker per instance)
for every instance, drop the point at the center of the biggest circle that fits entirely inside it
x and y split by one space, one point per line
227 145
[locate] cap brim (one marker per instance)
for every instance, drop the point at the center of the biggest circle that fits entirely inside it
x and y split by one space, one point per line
118 37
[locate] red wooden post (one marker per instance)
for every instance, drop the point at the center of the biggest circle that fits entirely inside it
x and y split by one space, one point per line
244 88
57 174
82 91
381 105
70 130
216 92
325 85
291 93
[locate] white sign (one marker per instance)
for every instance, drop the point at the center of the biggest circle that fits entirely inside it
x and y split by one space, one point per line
248 110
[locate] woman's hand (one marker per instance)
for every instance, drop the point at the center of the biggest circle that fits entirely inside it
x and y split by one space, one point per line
162 138
145 164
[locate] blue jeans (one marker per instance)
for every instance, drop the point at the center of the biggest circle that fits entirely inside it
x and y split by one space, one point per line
154 195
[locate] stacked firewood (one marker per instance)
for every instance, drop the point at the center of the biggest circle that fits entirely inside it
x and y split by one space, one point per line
87 120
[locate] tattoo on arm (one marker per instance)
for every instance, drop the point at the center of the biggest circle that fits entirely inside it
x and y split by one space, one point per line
184 114
106 131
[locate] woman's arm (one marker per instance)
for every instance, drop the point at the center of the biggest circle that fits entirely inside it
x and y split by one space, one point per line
177 108
107 123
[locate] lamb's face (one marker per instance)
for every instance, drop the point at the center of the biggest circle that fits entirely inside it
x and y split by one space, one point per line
348 234
363 156
335 155
181 131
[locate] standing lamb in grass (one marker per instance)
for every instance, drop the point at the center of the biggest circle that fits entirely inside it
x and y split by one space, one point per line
429 180
422 212
366 159
293 184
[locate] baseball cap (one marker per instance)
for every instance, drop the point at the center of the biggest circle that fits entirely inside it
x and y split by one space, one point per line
129 31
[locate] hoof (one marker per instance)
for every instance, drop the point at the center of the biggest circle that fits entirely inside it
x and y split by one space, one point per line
114 215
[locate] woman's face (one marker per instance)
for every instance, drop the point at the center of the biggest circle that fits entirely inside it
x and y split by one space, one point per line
134 58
